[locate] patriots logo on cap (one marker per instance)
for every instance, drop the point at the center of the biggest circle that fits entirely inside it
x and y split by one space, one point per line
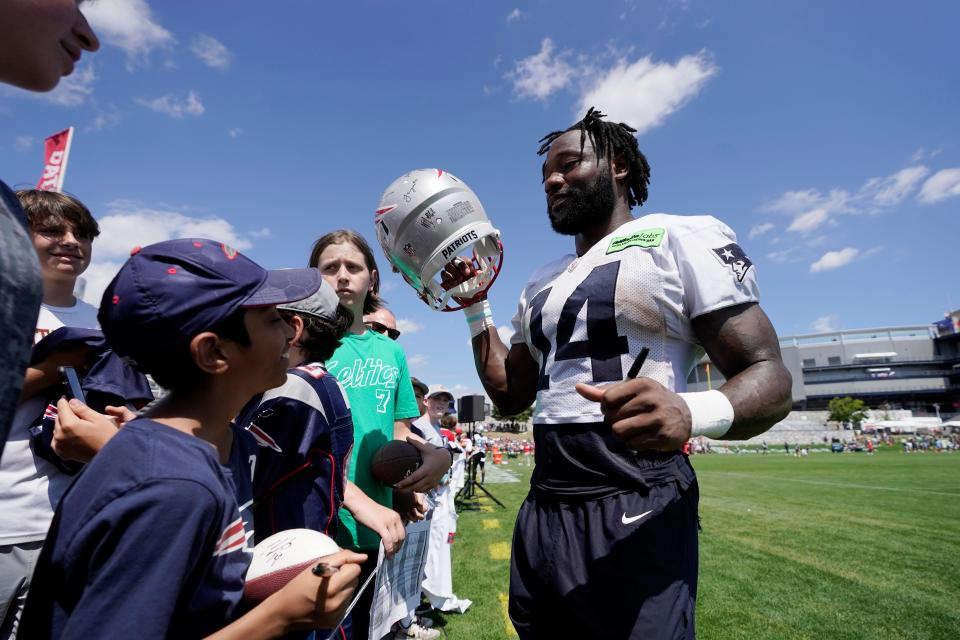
229 251
734 257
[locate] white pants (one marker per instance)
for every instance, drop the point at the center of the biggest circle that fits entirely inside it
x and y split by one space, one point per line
17 562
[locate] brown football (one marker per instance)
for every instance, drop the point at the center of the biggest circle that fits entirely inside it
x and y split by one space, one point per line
395 461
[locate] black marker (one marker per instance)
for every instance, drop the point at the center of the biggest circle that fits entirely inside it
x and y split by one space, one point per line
324 570
638 363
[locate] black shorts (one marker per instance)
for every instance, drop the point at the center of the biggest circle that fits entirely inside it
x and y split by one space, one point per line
619 566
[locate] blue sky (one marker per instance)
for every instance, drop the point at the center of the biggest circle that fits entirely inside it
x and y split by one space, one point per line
826 134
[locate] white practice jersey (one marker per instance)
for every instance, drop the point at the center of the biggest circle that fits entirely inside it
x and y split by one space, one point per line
585 319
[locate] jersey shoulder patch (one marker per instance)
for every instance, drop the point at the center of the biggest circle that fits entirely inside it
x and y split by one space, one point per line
313 370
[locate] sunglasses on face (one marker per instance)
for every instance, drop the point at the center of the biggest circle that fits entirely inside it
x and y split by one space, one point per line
384 329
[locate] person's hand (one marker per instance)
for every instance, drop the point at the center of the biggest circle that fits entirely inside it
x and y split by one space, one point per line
79 432
318 602
385 522
418 511
643 413
436 462
455 273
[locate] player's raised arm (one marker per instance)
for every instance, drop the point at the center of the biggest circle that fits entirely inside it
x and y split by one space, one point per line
435 233
508 373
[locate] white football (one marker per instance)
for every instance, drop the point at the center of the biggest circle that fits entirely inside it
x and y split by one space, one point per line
279 558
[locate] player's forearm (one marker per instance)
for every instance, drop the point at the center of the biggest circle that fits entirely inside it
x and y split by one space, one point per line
490 356
760 395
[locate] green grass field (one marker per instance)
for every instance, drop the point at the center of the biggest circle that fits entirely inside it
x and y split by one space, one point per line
828 546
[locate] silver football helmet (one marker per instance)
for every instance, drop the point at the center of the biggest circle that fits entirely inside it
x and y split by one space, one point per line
425 219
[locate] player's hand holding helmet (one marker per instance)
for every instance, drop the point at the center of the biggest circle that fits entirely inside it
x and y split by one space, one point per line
425 220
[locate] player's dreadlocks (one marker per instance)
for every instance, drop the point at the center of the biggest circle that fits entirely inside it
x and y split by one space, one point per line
610 138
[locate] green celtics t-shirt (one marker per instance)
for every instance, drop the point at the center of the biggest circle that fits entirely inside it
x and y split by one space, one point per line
373 370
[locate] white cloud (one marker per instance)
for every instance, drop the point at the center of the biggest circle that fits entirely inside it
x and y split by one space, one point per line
97 276
807 222
129 224
645 92
824 324
759 229
261 233
408 326
641 93
417 359
128 24
812 208
542 74
942 185
515 15
835 259
780 257
235 133
892 190
211 51
23 143
795 201
73 90
173 107
104 120
922 154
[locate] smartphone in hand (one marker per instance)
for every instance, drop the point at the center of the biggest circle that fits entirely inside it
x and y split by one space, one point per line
71 383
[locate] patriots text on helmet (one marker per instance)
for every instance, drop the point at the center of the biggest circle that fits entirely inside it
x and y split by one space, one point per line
451 248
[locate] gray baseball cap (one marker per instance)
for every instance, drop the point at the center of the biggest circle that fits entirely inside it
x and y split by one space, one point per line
322 304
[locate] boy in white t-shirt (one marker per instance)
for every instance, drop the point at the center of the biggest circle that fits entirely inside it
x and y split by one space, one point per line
62 230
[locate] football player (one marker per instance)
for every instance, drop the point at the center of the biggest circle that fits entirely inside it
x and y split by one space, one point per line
608 532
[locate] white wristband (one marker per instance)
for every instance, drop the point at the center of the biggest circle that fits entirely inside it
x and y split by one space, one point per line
710 412
479 317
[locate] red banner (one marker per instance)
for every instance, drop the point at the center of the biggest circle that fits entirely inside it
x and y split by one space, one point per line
56 150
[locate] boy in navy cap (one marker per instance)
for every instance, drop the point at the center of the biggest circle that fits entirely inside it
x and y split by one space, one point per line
149 541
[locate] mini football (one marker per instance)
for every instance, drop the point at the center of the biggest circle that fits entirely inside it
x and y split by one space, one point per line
395 461
279 558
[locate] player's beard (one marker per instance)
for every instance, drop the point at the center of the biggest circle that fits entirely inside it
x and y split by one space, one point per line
585 208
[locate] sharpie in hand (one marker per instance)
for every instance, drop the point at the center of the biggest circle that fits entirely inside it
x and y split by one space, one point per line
638 363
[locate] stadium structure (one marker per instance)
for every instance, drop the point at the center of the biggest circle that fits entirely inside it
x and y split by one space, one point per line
914 368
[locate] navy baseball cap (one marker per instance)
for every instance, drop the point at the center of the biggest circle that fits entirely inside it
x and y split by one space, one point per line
168 292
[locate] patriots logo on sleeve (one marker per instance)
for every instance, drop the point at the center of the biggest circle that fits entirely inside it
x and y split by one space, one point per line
734 257
233 538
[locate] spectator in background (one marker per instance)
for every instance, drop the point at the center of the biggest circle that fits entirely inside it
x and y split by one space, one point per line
373 369
62 231
420 391
39 43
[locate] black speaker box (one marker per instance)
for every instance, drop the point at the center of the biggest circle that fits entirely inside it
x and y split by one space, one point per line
471 409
